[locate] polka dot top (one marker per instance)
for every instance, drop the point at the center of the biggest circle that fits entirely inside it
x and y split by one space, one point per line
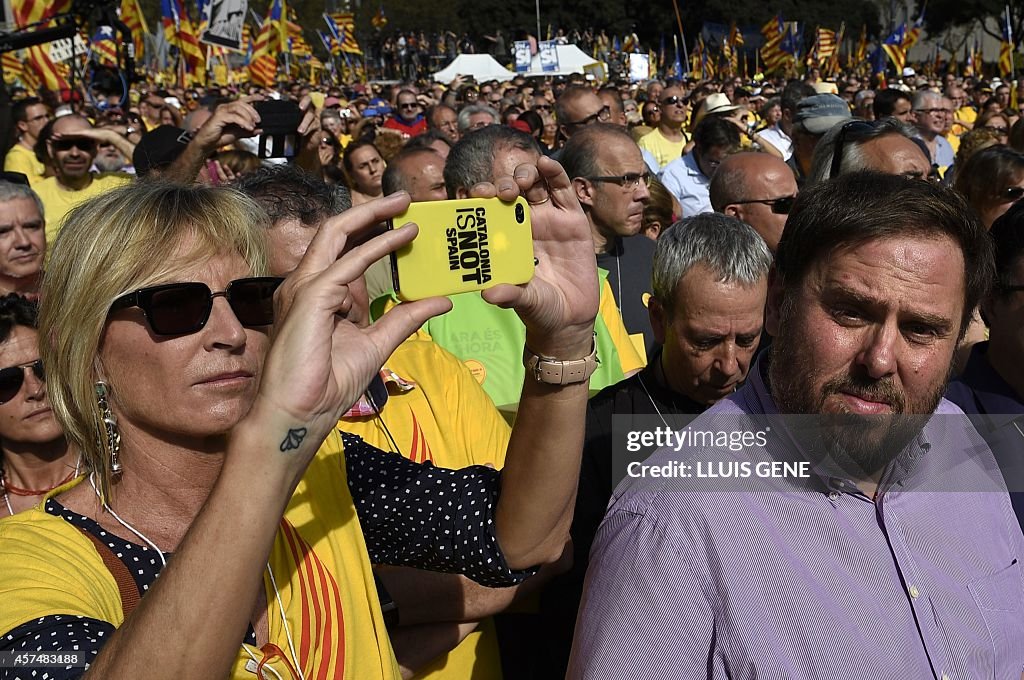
412 514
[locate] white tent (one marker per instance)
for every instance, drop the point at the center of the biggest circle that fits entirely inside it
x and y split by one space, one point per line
571 59
482 67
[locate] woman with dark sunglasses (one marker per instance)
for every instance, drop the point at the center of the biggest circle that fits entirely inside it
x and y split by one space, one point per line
199 442
34 456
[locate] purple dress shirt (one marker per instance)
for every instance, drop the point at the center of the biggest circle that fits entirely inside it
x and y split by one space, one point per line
811 579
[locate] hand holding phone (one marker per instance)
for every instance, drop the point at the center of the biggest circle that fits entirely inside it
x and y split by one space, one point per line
279 120
462 246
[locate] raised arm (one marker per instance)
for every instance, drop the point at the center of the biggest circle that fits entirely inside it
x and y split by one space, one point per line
558 307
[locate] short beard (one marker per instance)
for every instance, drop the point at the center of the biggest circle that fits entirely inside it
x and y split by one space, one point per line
858 446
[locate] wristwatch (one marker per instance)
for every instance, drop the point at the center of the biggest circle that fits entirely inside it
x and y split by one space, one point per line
557 372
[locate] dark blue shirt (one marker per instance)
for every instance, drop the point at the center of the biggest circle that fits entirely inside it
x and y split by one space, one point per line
997 412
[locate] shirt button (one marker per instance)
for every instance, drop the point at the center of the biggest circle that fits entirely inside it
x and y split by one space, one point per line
914 592
945 677
834 496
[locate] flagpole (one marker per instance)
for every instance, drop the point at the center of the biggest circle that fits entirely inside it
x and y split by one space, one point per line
538 23
1009 37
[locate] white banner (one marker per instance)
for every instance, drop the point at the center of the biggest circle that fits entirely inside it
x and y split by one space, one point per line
61 50
549 56
522 51
639 67
225 23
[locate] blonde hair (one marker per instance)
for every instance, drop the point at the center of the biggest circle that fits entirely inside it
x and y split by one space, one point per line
120 241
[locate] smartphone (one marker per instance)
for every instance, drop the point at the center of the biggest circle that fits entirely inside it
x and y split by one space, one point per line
279 120
463 245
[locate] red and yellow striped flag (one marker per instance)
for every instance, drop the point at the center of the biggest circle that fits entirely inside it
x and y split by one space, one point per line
263 65
44 72
131 15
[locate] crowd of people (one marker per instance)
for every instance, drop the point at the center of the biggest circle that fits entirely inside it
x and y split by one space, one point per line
228 450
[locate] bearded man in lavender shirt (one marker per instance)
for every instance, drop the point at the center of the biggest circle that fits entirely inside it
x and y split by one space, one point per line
897 556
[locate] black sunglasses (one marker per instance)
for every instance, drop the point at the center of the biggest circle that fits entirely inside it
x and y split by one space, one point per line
603 116
669 101
66 144
779 206
13 377
183 308
849 130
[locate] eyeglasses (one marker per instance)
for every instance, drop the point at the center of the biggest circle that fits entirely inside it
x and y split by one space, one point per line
602 116
673 101
542 107
779 206
631 180
409 105
13 377
68 143
850 129
998 131
943 112
183 308
1011 194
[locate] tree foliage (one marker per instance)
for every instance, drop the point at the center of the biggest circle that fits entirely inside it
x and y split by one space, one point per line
942 15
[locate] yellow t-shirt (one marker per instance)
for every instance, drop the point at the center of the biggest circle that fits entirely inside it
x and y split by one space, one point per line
665 151
449 420
58 201
319 560
20 159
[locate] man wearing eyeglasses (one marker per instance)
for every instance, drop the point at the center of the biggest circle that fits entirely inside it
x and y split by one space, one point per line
668 140
930 115
758 189
611 178
72 149
30 116
576 108
408 118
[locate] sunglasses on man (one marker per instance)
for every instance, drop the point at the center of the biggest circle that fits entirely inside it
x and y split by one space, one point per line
779 206
68 143
184 308
13 377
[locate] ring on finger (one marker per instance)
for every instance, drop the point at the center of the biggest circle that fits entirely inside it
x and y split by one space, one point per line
546 199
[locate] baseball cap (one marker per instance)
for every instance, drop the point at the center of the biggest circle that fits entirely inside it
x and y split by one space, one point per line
158 148
818 113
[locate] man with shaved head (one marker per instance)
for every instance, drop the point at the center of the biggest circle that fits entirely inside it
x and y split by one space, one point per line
72 148
417 171
756 188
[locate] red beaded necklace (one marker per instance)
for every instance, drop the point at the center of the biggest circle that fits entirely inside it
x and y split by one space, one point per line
18 491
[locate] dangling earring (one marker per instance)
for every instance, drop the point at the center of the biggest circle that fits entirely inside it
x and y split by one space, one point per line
110 427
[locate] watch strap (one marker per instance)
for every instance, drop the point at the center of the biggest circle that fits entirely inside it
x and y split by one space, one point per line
558 372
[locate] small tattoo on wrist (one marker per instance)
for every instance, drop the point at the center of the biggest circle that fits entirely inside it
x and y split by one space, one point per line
294 439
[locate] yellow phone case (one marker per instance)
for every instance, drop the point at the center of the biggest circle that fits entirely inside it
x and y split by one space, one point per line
463 245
